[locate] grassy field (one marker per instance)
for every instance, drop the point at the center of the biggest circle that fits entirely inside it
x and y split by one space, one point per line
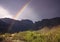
43 35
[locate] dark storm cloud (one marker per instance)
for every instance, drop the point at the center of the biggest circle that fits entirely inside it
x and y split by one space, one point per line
47 8
42 8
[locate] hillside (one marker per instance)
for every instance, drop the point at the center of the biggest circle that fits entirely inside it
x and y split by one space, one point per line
43 35
12 26
46 30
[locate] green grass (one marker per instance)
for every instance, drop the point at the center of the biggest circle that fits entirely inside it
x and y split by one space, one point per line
43 35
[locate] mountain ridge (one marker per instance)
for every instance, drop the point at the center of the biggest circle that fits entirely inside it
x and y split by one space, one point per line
24 25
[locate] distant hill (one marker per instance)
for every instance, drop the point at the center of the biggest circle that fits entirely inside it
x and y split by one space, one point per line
48 22
3 26
25 25
17 26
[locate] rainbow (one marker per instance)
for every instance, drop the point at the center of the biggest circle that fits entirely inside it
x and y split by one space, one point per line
21 10
18 14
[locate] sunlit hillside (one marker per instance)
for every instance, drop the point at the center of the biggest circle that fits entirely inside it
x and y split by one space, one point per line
46 30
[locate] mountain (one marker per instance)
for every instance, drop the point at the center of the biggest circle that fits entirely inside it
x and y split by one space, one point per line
48 23
16 25
11 25
22 25
3 26
7 20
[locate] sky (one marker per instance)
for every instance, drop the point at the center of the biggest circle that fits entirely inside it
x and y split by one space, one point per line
36 10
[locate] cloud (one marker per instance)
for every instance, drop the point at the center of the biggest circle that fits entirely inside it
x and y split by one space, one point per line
30 14
4 13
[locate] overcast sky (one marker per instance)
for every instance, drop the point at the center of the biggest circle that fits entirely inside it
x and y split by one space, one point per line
36 10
